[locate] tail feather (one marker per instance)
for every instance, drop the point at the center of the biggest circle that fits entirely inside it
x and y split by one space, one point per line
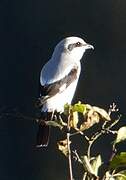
43 136
43 131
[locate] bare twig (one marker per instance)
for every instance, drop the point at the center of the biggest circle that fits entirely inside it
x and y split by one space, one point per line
69 156
115 122
78 132
93 139
85 175
112 108
77 157
69 150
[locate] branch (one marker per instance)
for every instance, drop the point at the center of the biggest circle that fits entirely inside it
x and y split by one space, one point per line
69 150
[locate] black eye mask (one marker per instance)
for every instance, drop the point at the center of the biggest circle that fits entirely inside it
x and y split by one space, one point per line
71 46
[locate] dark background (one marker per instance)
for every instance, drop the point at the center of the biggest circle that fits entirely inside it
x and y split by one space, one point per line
29 30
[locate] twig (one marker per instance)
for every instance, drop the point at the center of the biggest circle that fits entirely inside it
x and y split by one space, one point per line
77 158
69 150
85 175
112 108
103 131
78 132
91 141
115 122
69 156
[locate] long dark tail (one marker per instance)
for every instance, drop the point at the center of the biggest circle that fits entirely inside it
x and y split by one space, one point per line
43 130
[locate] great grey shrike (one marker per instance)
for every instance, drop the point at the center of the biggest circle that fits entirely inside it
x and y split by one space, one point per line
58 81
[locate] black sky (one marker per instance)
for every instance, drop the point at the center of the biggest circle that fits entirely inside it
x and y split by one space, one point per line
29 30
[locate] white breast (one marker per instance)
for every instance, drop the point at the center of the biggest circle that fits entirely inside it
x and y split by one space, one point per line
58 101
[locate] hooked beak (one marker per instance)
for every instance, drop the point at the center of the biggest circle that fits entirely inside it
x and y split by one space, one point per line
88 46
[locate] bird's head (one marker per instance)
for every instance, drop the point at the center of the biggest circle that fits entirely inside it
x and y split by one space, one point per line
74 47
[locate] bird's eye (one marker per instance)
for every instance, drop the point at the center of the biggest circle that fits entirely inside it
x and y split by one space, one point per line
78 44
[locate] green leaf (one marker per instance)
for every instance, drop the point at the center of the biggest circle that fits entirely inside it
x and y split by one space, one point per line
96 163
120 175
121 135
79 107
118 161
67 108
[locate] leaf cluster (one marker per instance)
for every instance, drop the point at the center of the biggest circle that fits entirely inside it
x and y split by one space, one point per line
90 115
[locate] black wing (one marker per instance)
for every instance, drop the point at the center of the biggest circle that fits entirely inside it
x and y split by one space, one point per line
53 88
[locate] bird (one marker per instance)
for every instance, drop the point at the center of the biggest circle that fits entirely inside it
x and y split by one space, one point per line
58 81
